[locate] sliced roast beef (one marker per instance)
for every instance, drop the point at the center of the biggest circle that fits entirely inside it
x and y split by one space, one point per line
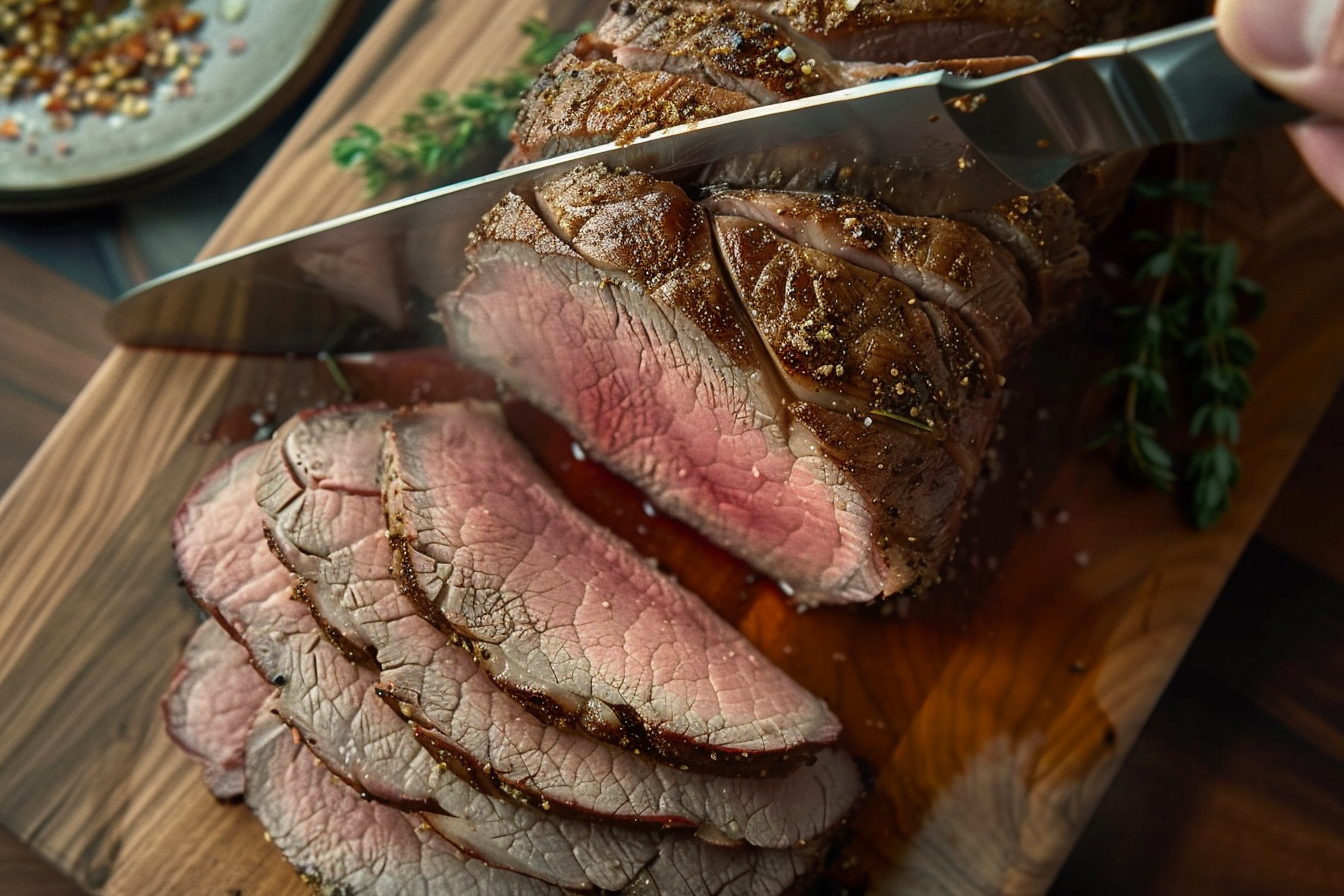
310 492
566 617
945 262
211 700
579 102
343 844
904 30
335 708
469 723
316 499
228 568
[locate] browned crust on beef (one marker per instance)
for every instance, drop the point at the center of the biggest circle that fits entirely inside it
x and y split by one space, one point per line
577 103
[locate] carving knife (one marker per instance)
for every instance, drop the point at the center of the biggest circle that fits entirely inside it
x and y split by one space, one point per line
366 281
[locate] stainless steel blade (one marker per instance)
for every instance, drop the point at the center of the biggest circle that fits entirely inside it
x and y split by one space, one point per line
364 281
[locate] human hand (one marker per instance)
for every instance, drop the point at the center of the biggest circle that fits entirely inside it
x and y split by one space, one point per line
1296 49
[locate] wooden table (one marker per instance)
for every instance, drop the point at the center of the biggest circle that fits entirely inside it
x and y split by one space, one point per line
87 776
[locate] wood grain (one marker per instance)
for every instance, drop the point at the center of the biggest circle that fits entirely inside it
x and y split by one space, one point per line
50 344
996 719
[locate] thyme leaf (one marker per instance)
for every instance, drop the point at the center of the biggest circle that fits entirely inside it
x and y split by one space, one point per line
1184 330
444 131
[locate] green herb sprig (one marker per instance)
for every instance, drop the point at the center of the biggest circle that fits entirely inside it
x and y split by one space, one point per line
443 131
1186 331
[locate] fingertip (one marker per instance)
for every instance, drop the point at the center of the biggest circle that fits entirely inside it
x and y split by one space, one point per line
1320 142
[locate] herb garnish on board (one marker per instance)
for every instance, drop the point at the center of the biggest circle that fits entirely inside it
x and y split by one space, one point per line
439 135
1181 346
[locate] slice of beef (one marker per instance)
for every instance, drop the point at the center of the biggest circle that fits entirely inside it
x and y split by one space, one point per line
310 493
1044 233
342 844
945 262
211 700
566 618
578 102
335 708
485 736
906 30
318 493
726 45
228 568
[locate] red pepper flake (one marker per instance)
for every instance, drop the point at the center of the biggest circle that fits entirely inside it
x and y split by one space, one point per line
63 148
10 130
238 45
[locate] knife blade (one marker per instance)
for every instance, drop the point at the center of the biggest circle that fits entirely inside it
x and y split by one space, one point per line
365 281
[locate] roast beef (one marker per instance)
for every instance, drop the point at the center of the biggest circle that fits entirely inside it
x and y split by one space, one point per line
335 708
619 322
342 844
211 701
666 385
469 723
566 618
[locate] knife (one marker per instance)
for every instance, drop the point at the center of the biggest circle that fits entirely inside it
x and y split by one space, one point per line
366 281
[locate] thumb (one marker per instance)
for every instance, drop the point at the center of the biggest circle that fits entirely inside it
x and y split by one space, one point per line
1293 47
1296 49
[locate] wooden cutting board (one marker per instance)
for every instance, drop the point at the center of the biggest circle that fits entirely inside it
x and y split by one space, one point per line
994 719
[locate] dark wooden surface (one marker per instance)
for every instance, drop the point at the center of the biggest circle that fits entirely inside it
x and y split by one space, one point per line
1233 789
1236 787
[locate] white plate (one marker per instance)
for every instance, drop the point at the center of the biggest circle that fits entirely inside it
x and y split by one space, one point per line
235 94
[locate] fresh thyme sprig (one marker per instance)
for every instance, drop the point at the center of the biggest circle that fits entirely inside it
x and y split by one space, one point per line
1185 331
442 132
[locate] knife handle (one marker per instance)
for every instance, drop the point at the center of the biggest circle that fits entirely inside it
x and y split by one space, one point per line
1171 86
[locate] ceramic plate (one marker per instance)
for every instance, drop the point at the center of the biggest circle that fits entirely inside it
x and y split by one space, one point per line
254 67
